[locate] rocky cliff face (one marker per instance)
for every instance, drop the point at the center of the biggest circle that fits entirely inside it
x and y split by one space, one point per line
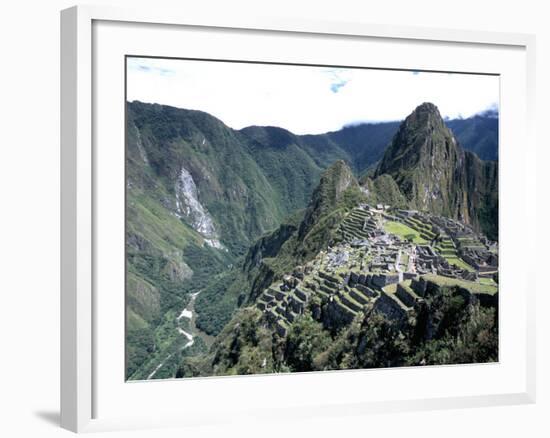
189 207
435 173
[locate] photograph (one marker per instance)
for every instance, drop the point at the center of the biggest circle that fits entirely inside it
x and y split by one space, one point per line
288 218
248 219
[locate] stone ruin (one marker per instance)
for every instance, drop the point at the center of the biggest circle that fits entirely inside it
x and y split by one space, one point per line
361 270
430 262
482 259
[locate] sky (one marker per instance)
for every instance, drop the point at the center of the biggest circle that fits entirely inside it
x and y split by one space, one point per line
303 99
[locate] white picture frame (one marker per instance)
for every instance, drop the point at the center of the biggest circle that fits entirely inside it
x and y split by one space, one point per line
82 380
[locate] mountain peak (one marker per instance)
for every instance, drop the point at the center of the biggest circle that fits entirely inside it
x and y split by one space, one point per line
422 158
426 107
338 177
422 139
271 136
433 172
338 165
426 115
334 182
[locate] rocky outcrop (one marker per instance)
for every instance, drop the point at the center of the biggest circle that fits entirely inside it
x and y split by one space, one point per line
189 206
176 269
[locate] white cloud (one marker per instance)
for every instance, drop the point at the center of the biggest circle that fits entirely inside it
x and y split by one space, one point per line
304 99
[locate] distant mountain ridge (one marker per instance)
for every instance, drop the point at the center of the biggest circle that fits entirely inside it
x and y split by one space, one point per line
478 134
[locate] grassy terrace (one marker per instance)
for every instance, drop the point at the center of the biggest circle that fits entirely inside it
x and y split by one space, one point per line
403 231
446 246
448 251
390 288
475 287
404 262
454 260
488 281
423 228
469 242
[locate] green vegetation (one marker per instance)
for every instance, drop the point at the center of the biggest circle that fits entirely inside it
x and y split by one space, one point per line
140 347
217 302
391 288
247 187
306 339
448 331
462 333
475 287
384 190
446 249
487 282
166 261
404 262
168 349
241 348
457 261
404 232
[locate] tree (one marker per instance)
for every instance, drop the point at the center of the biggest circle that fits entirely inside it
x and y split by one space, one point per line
305 340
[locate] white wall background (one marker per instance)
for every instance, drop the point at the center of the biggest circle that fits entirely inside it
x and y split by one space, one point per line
29 215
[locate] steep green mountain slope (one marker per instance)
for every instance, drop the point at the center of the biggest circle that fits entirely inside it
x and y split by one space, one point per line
435 174
191 148
166 258
383 190
290 170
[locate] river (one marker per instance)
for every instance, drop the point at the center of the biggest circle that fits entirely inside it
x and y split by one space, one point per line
189 313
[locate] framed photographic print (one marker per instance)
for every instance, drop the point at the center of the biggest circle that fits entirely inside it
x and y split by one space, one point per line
323 217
